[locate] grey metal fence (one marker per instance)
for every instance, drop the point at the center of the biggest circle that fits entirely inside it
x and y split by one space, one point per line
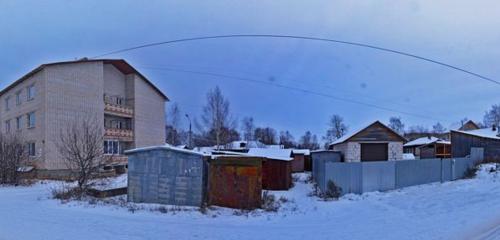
360 177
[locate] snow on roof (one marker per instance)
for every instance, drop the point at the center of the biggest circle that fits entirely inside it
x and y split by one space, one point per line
443 141
421 141
425 141
302 151
278 146
483 132
272 153
215 152
166 146
25 169
241 145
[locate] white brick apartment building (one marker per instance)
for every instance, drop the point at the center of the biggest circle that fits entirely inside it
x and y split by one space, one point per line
39 104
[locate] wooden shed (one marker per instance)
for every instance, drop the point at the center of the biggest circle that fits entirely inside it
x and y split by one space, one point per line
235 181
376 142
486 138
276 169
428 147
305 156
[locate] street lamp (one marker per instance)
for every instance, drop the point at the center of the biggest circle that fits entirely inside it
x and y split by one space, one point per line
190 133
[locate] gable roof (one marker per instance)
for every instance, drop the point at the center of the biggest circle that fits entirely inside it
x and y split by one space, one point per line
345 138
482 132
467 126
120 64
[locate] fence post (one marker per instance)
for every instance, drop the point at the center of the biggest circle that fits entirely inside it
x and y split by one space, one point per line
442 180
452 169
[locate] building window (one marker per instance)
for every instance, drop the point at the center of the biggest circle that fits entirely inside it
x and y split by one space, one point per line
31 120
18 98
111 147
7 104
7 126
19 122
31 92
31 149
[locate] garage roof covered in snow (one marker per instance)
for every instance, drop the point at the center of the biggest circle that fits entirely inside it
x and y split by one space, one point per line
425 141
483 132
272 153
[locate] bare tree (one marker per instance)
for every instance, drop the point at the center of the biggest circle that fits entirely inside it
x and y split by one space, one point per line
216 119
396 124
438 128
287 140
81 147
418 129
309 141
336 129
492 116
13 155
248 128
174 134
265 135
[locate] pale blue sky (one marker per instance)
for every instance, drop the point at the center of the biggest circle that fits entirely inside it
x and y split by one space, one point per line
462 33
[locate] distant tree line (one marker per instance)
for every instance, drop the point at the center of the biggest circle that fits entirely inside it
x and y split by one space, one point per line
217 126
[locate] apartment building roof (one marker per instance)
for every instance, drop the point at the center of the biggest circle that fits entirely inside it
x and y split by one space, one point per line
120 64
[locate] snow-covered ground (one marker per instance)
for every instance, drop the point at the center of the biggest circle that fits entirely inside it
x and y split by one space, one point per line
462 209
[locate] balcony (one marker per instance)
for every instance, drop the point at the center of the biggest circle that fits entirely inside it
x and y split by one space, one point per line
118 106
126 135
117 160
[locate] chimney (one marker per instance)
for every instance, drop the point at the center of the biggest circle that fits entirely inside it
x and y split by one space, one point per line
493 127
429 136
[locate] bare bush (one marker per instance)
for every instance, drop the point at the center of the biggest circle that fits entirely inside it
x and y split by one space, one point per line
269 203
13 155
332 192
81 147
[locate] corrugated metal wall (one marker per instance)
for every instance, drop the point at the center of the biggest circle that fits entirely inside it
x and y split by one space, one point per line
360 177
319 159
415 172
167 177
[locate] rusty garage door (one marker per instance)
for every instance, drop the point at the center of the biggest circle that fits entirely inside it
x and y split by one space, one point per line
235 182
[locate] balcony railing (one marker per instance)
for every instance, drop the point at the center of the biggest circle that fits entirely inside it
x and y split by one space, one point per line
121 134
117 105
116 160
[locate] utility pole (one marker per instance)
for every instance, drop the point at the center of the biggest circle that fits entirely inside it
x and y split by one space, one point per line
190 134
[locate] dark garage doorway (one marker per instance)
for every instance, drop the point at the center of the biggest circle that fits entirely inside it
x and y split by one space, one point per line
374 152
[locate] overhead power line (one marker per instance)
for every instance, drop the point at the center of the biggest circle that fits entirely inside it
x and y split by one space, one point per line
301 38
219 75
